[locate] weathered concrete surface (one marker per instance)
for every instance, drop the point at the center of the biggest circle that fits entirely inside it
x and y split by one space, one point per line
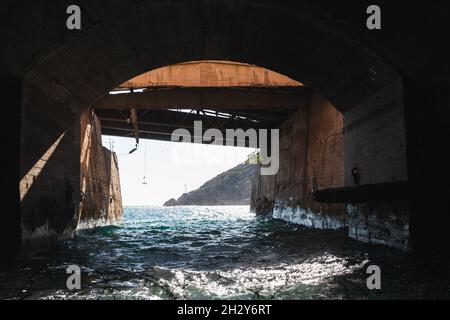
49 169
311 157
380 223
375 146
210 74
374 138
319 149
100 184
50 173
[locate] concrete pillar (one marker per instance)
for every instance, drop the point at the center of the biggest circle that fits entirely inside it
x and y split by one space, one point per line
311 157
100 183
49 169
10 232
428 131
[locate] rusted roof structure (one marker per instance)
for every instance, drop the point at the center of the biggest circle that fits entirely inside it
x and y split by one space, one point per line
210 74
224 94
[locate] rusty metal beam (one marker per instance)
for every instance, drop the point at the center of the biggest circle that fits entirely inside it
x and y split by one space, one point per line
388 191
159 125
213 98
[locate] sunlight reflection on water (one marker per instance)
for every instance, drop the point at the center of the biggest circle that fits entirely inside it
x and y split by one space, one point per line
203 253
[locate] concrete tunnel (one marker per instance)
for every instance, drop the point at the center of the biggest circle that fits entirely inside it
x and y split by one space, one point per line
348 101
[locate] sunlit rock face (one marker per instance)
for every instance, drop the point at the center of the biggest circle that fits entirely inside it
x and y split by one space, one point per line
171 202
232 187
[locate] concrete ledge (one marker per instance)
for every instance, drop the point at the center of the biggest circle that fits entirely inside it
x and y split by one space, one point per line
365 193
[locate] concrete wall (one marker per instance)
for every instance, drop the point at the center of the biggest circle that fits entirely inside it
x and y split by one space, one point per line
311 157
384 223
375 144
374 138
428 131
319 149
100 184
49 169
10 226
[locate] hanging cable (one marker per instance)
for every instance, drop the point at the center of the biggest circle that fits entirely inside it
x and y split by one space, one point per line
145 162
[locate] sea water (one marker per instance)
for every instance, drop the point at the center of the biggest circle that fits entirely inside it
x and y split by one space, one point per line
219 252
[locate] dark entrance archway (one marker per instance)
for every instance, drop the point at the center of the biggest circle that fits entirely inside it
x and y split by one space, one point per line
63 72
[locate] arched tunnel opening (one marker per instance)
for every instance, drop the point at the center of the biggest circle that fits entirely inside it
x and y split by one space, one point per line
341 167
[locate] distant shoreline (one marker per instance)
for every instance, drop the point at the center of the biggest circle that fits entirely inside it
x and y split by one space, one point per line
187 205
232 187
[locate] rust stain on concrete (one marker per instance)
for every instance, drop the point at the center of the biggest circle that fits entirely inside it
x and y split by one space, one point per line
211 74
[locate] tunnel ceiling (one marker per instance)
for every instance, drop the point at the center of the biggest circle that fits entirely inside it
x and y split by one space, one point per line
119 41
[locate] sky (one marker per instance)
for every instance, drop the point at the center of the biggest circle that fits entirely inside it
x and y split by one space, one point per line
169 168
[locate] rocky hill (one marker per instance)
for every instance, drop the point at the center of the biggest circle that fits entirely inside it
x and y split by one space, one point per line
232 187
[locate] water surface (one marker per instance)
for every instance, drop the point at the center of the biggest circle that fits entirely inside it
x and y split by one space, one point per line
220 253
